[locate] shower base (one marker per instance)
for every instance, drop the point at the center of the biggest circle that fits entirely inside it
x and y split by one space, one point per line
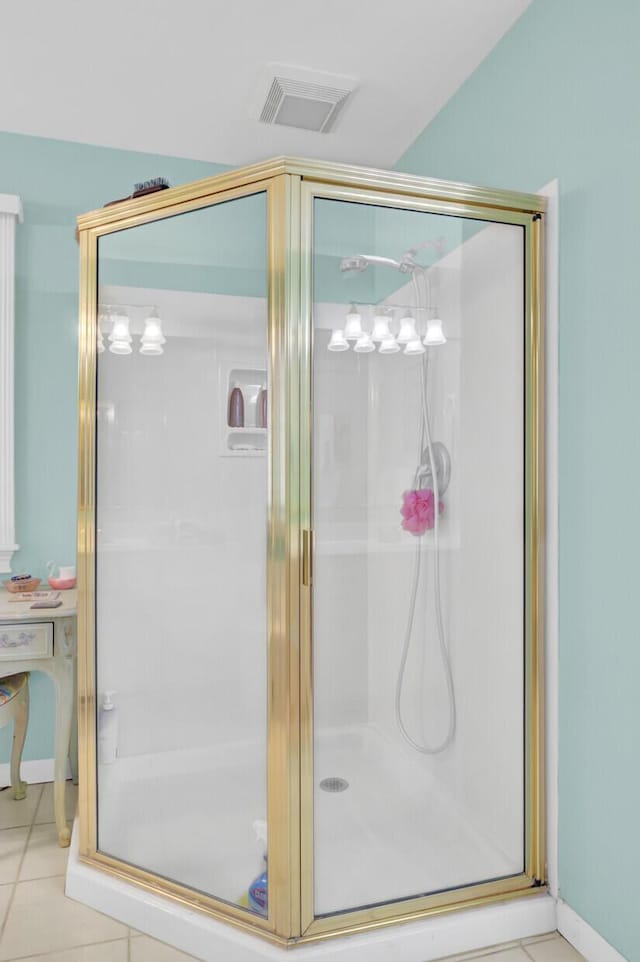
392 833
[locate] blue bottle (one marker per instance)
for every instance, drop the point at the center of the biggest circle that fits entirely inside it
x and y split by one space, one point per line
258 893
258 890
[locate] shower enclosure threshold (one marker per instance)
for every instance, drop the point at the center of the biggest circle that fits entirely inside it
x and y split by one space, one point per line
210 940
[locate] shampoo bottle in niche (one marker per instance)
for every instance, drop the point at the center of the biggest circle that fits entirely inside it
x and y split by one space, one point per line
261 420
258 897
235 417
108 730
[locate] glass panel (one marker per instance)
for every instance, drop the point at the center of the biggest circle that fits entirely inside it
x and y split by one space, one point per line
419 555
181 546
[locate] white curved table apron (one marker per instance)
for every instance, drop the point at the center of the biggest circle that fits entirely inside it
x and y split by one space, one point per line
45 640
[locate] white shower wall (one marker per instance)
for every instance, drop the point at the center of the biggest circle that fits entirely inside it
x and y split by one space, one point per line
367 430
475 397
177 514
340 591
181 596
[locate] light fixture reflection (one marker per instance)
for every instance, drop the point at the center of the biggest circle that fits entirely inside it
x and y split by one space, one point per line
364 344
414 347
120 337
408 331
353 327
99 337
152 336
435 334
381 330
338 341
390 346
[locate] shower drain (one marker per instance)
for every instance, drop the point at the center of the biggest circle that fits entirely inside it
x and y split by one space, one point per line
334 784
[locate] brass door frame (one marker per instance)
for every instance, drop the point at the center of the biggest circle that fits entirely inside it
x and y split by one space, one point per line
291 186
532 880
283 804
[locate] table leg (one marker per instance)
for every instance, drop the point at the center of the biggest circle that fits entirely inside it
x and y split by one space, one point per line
64 710
73 745
20 722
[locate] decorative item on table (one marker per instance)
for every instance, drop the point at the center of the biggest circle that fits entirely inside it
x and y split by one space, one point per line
35 596
65 579
142 189
19 583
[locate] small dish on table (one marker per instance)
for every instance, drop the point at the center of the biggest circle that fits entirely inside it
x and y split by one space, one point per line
62 584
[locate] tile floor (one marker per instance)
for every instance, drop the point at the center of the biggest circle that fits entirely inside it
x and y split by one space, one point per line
39 924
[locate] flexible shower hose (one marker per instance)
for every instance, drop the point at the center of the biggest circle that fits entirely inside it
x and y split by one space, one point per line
443 647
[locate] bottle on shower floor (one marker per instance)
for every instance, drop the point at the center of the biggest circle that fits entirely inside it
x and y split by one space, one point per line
258 890
108 730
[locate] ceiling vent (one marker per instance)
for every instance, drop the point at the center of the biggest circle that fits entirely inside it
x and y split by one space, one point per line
306 99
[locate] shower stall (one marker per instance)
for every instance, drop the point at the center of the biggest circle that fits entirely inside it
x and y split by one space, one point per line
310 667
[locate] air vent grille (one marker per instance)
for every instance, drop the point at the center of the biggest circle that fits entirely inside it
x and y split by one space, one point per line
304 99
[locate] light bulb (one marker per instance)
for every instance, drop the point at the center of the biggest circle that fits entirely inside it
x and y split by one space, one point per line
407 330
435 334
390 346
353 327
338 341
381 330
364 344
414 347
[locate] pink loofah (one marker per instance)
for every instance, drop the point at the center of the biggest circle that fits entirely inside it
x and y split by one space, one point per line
418 511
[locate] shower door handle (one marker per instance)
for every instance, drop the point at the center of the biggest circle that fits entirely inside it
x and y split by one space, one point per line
307 557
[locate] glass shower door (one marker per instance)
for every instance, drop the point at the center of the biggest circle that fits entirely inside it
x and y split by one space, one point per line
181 546
418 509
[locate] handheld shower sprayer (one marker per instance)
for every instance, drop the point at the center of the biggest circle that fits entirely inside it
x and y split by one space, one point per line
421 505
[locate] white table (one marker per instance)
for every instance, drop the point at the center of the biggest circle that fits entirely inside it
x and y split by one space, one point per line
45 640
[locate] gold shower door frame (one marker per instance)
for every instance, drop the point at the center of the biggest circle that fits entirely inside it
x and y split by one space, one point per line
291 187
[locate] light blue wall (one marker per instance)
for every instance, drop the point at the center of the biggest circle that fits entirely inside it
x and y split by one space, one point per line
558 97
56 181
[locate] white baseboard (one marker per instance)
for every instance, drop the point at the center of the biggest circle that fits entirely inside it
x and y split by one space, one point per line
33 772
583 938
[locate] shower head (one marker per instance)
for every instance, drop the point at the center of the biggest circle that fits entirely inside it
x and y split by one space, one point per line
406 265
359 262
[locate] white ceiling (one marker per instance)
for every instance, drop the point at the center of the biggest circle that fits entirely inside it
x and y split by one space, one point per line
179 77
